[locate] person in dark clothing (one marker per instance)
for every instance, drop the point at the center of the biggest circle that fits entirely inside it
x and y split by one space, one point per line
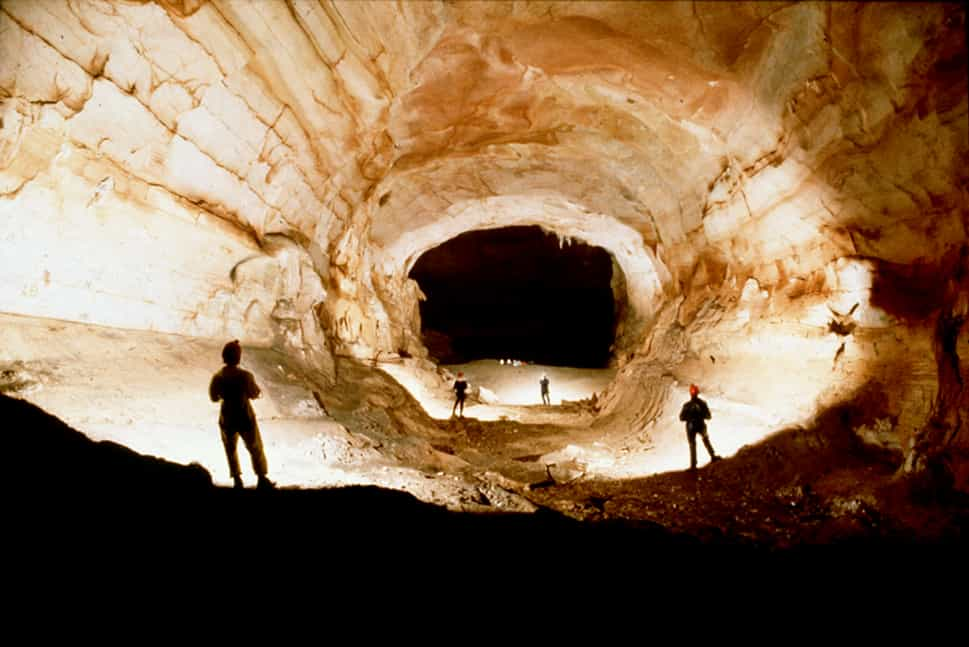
695 413
235 387
544 382
460 388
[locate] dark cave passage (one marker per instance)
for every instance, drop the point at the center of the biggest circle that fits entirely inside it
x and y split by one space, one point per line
516 293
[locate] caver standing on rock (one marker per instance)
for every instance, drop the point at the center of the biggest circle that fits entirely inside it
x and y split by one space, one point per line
235 387
695 413
460 389
544 383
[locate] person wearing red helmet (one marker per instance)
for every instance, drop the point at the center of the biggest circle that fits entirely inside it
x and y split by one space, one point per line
695 413
460 389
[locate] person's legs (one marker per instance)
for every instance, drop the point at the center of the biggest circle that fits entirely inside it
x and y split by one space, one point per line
253 441
461 404
692 438
706 443
229 443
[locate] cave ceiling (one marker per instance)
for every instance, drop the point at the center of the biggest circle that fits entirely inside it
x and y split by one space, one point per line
761 134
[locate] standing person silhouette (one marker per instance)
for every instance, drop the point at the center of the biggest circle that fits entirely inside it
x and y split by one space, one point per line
695 413
460 388
235 387
544 382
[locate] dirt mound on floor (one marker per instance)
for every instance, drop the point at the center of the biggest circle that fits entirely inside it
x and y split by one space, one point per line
803 486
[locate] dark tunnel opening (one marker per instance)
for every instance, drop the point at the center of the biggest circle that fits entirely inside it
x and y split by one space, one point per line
516 293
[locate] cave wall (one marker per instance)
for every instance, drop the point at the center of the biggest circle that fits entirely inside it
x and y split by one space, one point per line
865 178
152 177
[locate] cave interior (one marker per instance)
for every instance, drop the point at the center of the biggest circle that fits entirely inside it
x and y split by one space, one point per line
767 200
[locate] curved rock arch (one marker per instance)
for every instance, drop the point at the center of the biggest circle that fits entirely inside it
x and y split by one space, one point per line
646 277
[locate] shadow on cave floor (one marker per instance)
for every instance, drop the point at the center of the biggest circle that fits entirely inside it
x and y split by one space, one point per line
798 487
70 486
517 450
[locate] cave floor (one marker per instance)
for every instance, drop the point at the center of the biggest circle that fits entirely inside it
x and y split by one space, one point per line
775 487
788 490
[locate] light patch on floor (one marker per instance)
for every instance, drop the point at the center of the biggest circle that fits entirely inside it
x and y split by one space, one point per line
662 445
510 392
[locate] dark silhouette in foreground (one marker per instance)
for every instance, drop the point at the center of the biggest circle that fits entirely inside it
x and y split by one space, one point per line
115 504
695 413
235 387
545 396
74 502
460 391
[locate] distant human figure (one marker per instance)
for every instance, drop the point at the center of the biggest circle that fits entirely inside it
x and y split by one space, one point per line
460 388
235 387
544 382
695 413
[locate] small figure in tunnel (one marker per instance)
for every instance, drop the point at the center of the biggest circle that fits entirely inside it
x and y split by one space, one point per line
544 382
235 387
695 413
460 388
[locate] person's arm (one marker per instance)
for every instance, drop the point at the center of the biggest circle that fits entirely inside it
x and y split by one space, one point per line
706 411
215 389
683 413
253 389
